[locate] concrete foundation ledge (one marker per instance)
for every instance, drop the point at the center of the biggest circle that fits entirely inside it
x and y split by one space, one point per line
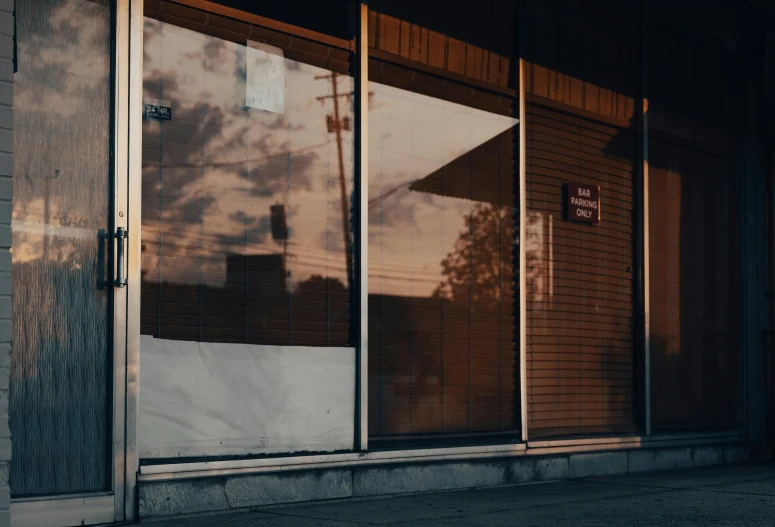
377 481
172 498
219 493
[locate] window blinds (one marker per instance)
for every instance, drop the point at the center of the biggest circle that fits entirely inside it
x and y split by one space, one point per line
579 277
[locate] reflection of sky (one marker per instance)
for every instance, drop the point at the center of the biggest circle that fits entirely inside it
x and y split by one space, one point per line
249 160
410 137
61 131
59 372
244 160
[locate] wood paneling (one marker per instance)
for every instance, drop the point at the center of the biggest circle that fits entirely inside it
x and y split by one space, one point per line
579 347
583 55
474 43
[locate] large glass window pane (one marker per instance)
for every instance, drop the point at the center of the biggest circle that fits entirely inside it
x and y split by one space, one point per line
582 81
580 304
442 356
246 229
246 240
442 167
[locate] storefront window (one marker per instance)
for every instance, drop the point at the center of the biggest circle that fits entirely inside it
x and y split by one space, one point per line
246 189
246 240
581 79
442 166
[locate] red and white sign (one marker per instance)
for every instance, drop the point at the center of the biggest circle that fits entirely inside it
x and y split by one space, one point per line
583 203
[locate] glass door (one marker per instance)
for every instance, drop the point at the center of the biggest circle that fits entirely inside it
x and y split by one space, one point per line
66 292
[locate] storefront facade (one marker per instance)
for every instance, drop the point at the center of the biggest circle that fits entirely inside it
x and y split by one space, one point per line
274 254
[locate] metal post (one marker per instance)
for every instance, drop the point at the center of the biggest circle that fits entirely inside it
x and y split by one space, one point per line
522 210
642 236
133 190
522 257
361 226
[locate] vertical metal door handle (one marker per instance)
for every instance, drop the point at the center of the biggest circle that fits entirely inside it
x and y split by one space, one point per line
103 239
121 236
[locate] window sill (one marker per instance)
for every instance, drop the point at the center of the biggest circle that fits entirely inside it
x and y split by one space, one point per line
278 464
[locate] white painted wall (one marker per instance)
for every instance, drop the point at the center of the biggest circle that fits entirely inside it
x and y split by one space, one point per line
209 399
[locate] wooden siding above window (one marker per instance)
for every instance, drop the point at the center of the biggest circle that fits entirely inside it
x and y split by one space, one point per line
585 57
475 43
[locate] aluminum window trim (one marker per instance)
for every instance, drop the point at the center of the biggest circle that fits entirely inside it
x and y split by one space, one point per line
645 255
522 308
133 186
323 460
361 246
119 214
177 471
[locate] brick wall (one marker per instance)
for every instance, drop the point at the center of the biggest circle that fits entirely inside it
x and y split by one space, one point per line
6 197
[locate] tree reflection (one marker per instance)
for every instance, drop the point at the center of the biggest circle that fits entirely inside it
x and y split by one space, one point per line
446 362
441 326
475 271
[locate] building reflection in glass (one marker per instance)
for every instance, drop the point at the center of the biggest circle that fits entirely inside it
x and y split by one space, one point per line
213 267
441 281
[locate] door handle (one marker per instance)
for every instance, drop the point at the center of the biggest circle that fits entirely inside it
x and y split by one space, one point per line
121 236
102 240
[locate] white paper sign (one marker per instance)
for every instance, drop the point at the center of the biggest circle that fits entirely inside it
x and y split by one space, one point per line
265 83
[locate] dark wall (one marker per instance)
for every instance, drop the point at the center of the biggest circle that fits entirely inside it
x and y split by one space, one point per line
480 45
584 55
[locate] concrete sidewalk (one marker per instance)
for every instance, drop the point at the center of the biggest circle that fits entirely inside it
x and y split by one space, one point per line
741 495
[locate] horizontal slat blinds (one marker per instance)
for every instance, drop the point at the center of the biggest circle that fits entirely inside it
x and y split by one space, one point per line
442 357
579 277
693 237
245 216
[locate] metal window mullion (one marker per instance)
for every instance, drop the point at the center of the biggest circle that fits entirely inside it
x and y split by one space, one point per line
522 255
123 442
361 225
133 165
643 241
522 211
